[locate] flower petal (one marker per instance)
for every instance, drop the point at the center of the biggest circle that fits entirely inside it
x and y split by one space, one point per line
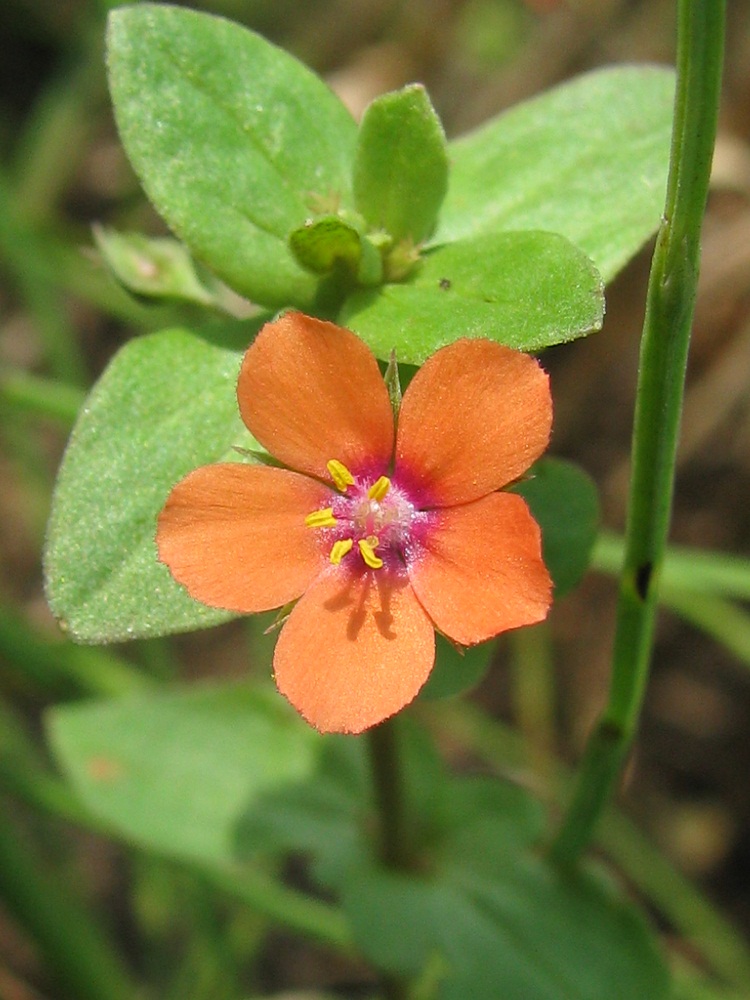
310 392
480 570
356 649
473 419
235 535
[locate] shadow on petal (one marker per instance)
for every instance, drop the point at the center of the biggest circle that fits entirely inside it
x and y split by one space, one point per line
356 649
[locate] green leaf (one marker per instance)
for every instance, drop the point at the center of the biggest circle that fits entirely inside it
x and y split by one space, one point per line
316 816
565 503
156 268
233 139
165 405
331 816
456 671
587 159
178 772
485 822
528 290
401 164
530 933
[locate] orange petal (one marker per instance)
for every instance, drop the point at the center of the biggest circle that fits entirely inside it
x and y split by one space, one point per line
235 535
356 649
310 391
480 570
474 418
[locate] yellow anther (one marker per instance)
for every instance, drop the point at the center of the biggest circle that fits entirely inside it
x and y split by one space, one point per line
340 475
321 519
339 550
367 548
379 489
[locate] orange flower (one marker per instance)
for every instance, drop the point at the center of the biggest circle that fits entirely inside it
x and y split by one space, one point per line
384 534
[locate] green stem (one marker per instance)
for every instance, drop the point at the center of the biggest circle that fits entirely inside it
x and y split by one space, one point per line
303 914
58 131
75 948
41 397
703 927
390 800
57 664
696 585
20 250
388 786
534 695
664 349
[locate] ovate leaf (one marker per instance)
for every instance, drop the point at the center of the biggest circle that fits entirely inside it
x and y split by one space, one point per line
234 141
565 504
401 164
165 405
456 670
178 772
528 290
588 159
528 933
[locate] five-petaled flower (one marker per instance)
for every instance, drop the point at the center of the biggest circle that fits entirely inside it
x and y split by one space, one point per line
381 532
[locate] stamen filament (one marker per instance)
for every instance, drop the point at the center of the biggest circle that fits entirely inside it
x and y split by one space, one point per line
379 488
340 475
339 550
321 519
367 548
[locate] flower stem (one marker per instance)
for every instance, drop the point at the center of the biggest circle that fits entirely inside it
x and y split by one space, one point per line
663 360
388 786
390 800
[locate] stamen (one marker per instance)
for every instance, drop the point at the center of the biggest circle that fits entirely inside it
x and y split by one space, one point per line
379 488
367 548
339 550
321 519
340 475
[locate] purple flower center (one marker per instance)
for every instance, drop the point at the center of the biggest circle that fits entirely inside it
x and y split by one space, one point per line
374 520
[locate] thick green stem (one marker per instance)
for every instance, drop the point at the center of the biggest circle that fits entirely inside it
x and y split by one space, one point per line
663 360
720 945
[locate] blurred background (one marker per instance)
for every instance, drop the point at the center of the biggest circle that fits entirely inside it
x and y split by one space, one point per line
62 317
